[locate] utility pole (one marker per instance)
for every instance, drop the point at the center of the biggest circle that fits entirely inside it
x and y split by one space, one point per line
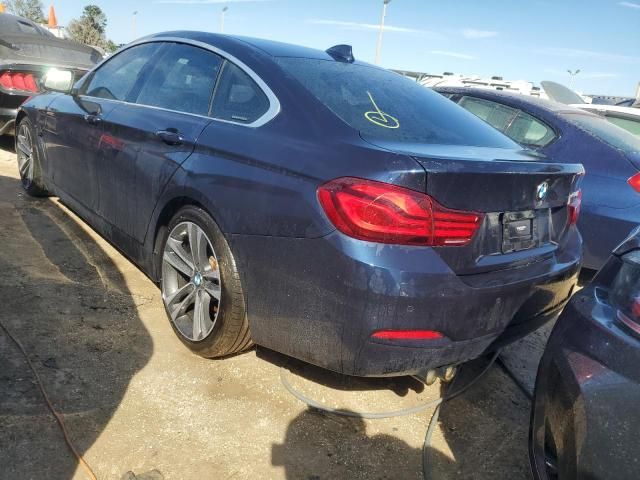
572 75
133 24
222 14
379 45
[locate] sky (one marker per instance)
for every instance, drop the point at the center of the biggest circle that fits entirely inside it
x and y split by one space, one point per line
532 40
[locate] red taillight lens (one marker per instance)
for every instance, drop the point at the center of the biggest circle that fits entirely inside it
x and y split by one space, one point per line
407 335
635 182
384 213
575 201
21 81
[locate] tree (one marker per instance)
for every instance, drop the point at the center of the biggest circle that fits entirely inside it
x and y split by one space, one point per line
90 27
31 9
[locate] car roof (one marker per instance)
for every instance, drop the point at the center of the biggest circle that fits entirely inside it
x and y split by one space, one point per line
266 47
516 100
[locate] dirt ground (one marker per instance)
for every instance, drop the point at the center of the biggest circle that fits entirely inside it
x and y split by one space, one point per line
135 399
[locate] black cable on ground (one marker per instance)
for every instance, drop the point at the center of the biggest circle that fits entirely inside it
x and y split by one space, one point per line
396 413
346 413
436 413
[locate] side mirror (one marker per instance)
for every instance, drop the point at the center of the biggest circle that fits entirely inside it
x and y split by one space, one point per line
58 80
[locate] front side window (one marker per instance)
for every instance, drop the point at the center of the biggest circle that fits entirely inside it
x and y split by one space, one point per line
116 77
238 98
181 80
383 105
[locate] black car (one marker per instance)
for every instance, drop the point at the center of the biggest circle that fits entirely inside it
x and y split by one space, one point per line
610 155
585 417
27 53
308 202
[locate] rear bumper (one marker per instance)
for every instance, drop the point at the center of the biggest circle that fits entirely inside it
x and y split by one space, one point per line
320 300
585 408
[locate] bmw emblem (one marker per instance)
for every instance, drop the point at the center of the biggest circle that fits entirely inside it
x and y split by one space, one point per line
541 191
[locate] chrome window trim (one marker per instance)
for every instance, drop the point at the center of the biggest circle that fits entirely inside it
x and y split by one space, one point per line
274 103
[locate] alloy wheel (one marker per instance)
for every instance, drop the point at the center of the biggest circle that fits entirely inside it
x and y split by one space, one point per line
191 283
24 147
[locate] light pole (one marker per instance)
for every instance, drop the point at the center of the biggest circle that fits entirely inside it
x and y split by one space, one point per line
572 75
379 45
222 13
133 24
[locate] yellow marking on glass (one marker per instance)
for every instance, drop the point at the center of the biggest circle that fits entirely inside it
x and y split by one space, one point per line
378 117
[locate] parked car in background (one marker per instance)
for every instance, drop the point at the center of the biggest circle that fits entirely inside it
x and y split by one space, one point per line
27 52
585 416
308 202
624 117
610 155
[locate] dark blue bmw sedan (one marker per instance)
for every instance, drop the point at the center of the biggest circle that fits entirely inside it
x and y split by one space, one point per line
307 202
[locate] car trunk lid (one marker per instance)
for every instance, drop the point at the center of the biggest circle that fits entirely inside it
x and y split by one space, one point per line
47 50
524 201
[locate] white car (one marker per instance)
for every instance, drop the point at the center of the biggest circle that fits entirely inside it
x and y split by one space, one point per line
624 117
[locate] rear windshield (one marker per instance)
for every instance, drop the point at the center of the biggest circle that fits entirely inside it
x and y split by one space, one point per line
384 105
605 131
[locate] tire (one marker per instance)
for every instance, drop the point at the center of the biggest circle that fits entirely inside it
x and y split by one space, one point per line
29 160
188 279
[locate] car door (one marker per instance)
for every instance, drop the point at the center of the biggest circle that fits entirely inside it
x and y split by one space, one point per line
73 131
148 137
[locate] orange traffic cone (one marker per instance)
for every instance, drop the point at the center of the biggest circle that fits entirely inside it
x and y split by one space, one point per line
53 21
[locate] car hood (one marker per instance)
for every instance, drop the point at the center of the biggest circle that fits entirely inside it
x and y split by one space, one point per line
41 50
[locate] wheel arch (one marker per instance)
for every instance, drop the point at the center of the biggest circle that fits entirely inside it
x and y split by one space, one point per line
21 114
168 211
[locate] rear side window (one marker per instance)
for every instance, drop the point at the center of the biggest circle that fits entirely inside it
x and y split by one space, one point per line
497 115
516 124
182 80
384 105
238 98
528 130
115 78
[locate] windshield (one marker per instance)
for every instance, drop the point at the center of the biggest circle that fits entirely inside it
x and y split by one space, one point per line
386 106
605 131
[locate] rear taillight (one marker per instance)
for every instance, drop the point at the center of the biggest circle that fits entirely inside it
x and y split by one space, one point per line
19 81
635 182
385 213
625 292
575 201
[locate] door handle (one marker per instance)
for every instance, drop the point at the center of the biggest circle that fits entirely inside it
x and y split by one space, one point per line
170 136
93 119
